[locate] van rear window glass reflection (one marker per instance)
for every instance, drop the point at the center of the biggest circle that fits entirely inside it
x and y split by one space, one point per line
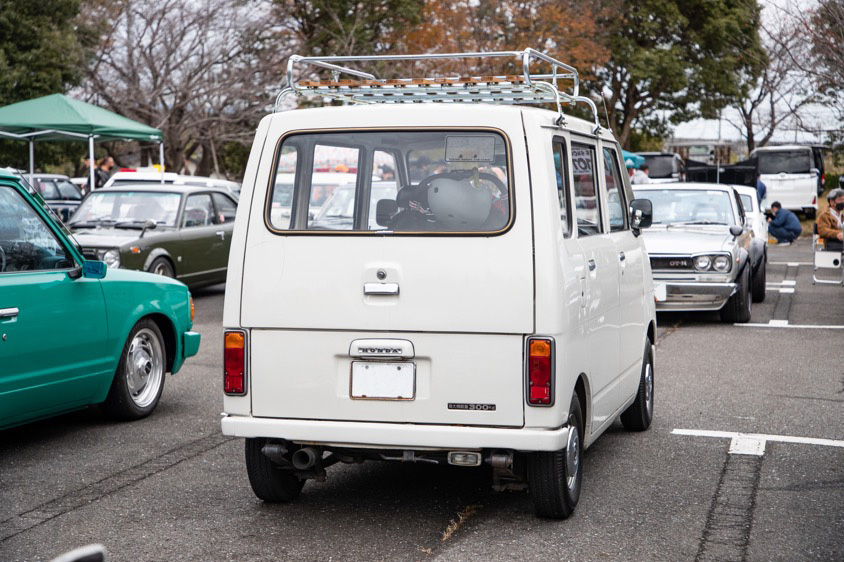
392 181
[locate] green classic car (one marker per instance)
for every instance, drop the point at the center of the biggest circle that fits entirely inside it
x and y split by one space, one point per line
70 335
178 231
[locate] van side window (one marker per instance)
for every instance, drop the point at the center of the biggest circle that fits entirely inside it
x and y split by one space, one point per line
562 180
332 206
587 209
615 192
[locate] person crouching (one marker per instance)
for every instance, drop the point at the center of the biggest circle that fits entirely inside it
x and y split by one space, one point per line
784 225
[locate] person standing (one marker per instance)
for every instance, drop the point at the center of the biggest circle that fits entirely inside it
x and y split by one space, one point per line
831 222
101 174
784 225
641 175
761 189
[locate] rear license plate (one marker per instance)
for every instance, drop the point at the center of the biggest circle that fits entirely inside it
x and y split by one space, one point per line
375 380
660 292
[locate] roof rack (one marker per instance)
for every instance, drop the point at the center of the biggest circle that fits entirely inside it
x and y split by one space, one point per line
366 88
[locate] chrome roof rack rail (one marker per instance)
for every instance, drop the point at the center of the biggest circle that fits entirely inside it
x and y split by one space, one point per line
355 86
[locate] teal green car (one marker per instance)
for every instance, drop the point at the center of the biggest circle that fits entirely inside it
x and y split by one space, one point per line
75 333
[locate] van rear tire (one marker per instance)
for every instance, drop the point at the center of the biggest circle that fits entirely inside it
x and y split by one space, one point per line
554 487
269 481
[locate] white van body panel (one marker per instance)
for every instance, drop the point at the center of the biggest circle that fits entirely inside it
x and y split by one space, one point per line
466 304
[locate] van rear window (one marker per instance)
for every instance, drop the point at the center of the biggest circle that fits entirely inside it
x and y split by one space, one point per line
392 181
791 162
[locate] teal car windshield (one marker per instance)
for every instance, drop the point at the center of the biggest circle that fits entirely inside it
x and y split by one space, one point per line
127 208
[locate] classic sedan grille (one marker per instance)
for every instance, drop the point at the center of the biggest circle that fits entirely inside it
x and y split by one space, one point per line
672 263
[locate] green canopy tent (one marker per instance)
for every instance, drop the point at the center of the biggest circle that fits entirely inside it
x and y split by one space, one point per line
59 117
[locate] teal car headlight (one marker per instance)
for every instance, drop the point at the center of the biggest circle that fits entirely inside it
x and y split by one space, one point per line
112 258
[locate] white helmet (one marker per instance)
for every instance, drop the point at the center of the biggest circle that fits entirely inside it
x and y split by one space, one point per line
459 204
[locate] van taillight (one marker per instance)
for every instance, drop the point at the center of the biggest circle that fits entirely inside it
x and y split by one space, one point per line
234 363
540 371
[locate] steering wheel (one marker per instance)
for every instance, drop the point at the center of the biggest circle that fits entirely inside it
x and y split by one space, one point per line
465 174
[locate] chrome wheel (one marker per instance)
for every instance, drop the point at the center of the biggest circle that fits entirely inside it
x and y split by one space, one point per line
572 456
144 367
161 268
649 390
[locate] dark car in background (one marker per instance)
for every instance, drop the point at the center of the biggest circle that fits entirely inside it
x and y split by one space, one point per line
177 231
664 167
61 195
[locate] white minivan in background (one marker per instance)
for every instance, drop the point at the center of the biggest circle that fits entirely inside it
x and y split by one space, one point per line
792 174
491 304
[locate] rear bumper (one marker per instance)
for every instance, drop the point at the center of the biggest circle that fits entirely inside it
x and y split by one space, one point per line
692 296
396 435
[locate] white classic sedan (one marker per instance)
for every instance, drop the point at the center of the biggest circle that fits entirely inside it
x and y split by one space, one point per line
702 249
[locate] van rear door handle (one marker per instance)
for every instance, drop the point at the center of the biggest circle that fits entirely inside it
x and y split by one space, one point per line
8 312
381 289
592 265
621 256
221 234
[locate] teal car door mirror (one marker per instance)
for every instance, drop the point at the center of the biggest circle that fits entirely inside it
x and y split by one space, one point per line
94 269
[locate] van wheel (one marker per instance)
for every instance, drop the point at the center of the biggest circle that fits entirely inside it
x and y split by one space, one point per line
554 477
810 212
738 307
139 379
760 278
269 481
638 416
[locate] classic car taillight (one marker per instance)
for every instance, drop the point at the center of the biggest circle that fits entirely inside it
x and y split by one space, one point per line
540 371
234 363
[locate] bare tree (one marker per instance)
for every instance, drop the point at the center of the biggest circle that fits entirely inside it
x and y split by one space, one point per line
203 71
779 91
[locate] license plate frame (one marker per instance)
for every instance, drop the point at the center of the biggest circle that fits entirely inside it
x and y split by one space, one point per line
372 380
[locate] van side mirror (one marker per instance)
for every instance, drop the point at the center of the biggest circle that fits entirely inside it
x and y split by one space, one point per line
385 210
94 269
641 214
736 230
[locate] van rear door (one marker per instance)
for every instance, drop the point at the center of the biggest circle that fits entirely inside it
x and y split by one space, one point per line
430 285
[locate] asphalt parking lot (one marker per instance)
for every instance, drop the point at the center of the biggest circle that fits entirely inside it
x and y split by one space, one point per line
171 487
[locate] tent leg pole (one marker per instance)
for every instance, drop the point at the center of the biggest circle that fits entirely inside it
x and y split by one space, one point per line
161 159
93 163
31 162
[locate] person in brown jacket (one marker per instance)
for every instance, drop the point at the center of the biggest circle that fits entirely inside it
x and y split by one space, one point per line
830 221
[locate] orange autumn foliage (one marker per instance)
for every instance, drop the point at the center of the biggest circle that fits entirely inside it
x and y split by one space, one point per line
564 29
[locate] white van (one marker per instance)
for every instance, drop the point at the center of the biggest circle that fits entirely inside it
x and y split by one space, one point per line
792 175
497 309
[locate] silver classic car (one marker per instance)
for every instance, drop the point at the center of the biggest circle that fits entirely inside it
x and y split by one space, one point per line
703 251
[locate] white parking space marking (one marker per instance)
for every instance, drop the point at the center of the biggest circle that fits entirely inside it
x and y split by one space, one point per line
773 322
786 282
786 291
744 445
776 324
790 263
754 443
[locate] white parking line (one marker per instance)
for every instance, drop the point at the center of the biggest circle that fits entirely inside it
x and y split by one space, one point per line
790 263
778 324
786 282
754 443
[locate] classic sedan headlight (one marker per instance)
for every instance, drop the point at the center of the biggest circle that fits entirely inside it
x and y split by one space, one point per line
721 264
702 263
112 258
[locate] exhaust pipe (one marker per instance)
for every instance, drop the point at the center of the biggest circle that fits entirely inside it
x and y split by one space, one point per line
305 458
